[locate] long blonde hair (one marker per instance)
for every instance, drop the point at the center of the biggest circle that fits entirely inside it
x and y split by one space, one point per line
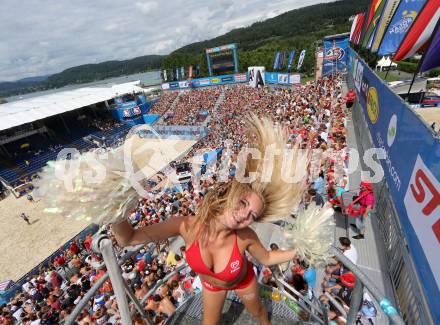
279 197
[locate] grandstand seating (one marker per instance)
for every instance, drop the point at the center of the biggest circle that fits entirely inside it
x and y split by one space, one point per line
41 148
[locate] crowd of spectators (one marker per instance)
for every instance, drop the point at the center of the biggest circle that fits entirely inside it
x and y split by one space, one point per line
105 124
190 104
313 117
164 102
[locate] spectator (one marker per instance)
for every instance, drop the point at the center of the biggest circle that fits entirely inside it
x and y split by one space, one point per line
366 201
348 249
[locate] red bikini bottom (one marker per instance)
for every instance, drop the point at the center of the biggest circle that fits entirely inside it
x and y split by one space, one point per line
250 275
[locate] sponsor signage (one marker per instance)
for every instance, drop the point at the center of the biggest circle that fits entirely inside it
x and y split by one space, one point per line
204 82
174 85
129 104
137 110
228 79
183 84
219 80
241 77
215 80
282 78
294 79
335 55
256 76
271 77
221 48
422 203
411 168
165 86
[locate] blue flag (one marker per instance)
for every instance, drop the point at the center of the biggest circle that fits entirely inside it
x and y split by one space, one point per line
291 57
177 73
402 20
276 60
283 58
182 72
431 59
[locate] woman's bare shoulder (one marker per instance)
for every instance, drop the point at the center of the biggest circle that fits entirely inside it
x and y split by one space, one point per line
247 235
187 227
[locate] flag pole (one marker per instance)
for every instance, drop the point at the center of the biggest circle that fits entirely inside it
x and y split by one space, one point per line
386 74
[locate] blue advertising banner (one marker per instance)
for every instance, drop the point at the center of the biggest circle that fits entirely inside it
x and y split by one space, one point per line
412 171
219 80
208 81
279 78
335 55
271 77
402 20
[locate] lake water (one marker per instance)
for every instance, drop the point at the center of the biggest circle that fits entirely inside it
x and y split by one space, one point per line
147 78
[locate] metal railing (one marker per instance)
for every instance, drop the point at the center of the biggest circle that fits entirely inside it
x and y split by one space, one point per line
104 245
362 281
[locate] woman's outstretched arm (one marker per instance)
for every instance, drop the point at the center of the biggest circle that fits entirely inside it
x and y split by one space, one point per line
265 257
127 236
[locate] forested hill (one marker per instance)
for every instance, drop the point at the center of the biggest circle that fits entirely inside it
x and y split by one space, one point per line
82 74
104 70
296 29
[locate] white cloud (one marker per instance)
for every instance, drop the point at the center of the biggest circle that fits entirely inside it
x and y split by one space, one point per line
146 7
44 37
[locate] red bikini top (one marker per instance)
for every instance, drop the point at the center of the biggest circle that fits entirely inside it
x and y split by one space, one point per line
231 271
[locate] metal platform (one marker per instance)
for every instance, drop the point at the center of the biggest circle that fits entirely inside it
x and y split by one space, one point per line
234 313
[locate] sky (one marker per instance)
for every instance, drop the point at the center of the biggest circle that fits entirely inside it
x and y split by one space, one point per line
40 37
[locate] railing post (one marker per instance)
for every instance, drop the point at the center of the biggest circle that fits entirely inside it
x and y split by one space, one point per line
355 302
104 245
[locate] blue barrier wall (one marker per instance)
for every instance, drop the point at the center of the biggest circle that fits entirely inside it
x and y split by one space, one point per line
412 171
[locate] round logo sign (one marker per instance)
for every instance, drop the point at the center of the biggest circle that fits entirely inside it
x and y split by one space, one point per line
373 105
392 130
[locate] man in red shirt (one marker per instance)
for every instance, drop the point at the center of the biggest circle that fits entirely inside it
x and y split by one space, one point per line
349 98
74 249
366 203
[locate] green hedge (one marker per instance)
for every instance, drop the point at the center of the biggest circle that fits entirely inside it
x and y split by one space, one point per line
409 67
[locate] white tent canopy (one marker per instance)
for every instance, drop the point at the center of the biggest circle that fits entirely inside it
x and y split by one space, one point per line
37 108
385 62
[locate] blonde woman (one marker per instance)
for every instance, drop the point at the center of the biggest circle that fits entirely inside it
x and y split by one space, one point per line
218 236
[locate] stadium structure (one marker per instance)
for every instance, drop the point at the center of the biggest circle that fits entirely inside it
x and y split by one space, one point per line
34 131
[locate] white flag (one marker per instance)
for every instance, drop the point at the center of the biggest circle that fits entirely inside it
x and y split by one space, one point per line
301 59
